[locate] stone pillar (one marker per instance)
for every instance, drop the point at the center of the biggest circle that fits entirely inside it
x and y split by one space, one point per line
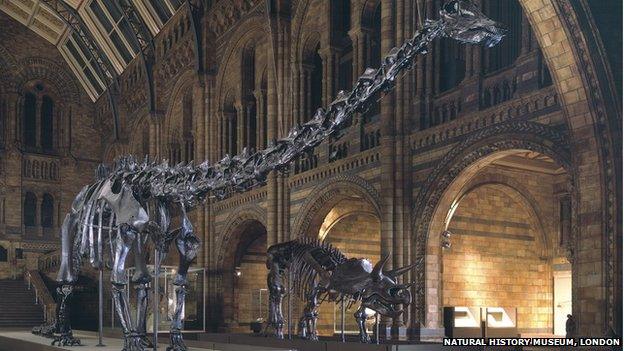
241 129
360 39
387 152
260 96
328 54
272 237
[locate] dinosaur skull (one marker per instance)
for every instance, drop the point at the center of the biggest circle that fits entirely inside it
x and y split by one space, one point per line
466 23
383 294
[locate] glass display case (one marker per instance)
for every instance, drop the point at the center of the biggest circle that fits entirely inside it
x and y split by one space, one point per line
194 310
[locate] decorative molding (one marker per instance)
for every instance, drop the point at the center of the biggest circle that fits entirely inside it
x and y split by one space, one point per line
501 137
225 235
606 136
329 190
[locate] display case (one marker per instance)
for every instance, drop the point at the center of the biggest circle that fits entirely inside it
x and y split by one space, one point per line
500 322
463 322
194 311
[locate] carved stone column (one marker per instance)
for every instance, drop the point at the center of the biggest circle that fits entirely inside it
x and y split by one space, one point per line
241 129
329 56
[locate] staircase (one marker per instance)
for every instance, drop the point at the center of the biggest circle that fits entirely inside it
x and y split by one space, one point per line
17 305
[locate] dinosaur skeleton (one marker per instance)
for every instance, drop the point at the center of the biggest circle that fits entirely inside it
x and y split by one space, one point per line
133 202
320 273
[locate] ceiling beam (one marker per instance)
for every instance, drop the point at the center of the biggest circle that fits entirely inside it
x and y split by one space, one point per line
102 65
145 39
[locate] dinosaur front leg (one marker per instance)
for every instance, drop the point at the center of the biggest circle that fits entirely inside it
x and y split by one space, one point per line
66 336
311 314
66 276
276 294
123 243
187 244
360 319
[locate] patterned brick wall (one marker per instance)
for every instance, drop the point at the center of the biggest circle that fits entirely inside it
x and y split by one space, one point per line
251 285
495 259
356 235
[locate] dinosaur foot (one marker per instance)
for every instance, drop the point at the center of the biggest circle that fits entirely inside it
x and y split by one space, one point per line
66 339
134 342
365 339
176 343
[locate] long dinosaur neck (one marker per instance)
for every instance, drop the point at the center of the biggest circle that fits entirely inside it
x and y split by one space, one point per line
244 171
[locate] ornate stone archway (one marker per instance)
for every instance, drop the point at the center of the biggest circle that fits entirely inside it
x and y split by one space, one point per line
451 175
328 194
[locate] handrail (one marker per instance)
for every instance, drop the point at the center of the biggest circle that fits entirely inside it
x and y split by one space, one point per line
42 295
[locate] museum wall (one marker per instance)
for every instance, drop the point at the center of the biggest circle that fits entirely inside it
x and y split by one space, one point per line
49 144
384 188
496 259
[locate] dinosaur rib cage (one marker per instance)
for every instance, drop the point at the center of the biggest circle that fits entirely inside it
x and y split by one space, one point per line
305 276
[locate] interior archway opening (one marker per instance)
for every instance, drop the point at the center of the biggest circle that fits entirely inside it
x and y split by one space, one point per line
507 220
248 276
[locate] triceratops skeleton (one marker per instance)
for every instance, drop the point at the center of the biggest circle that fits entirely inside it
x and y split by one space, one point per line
319 272
133 202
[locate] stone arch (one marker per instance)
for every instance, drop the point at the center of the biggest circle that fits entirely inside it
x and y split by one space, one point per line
451 175
177 143
580 80
367 12
8 69
244 227
299 30
329 193
42 69
250 29
234 221
514 190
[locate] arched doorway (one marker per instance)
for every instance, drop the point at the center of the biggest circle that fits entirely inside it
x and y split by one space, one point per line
244 277
507 218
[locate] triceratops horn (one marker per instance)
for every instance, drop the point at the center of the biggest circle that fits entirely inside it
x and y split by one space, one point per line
377 272
400 271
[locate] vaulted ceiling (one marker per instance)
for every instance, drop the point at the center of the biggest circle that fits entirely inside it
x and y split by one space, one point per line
113 37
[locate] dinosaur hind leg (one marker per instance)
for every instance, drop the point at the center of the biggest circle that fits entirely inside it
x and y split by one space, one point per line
123 243
187 244
141 281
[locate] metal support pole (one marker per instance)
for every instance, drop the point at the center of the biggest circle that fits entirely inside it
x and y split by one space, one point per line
289 304
101 308
377 328
156 297
342 319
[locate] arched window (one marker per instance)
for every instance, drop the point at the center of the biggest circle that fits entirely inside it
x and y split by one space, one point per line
30 209
452 64
314 82
374 58
341 24
187 126
3 254
229 128
30 120
505 53
264 120
248 73
47 211
47 124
